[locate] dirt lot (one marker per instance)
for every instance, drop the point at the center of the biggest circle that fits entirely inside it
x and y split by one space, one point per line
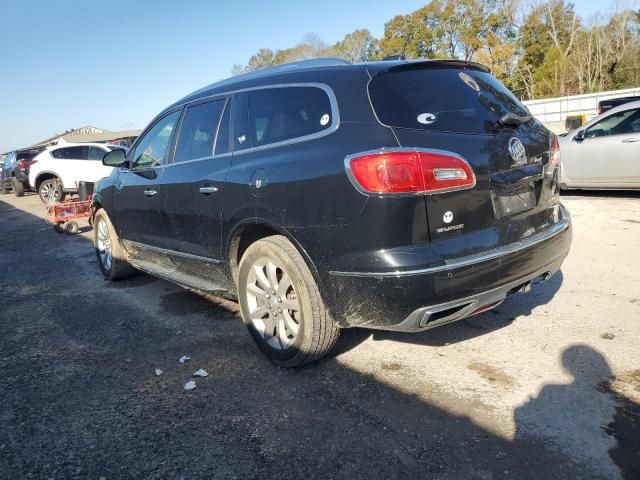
547 386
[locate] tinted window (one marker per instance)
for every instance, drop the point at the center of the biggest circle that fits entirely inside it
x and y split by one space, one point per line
152 148
71 153
442 99
96 153
279 114
198 131
620 123
222 140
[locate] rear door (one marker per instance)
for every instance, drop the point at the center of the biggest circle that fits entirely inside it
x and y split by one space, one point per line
94 169
459 110
193 188
70 164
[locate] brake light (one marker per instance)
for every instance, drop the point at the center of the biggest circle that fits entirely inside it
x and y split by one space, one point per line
410 171
22 165
554 151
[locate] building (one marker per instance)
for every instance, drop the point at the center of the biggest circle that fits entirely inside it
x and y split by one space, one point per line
91 134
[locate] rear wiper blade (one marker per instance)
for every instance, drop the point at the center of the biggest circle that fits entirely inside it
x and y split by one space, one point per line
513 120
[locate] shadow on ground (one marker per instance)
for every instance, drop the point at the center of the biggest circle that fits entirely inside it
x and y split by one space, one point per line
80 398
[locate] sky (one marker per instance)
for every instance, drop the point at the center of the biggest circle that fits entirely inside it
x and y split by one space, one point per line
115 64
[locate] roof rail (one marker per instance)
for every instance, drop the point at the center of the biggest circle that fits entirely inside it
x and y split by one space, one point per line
285 67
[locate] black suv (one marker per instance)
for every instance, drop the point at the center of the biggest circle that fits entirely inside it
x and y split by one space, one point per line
398 195
14 171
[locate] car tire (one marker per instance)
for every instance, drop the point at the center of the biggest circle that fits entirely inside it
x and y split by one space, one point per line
50 191
292 327
18 188
112 258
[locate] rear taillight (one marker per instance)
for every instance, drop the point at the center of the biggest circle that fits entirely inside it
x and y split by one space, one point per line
22 165
409 171
554 151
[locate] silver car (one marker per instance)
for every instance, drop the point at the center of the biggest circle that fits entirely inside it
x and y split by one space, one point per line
604 153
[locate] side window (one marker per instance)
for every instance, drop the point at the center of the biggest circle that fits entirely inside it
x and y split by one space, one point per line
222 140
620 123
198 131
58 153
75 153
96 153
280 114
152 148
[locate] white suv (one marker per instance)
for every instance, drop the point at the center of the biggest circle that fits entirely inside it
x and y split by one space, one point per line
58 169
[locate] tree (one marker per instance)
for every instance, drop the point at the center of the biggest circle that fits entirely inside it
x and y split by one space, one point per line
357 46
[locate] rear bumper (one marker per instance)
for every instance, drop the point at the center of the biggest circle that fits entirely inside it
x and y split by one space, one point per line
415 300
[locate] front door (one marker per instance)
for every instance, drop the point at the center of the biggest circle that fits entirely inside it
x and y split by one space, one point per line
138 208
608 155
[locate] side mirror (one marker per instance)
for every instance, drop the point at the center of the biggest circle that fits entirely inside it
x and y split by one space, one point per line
578 137
114 158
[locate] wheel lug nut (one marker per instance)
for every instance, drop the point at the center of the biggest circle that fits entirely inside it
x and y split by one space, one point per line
280 300
266 295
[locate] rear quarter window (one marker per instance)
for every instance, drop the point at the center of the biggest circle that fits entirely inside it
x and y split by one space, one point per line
286 113
442 99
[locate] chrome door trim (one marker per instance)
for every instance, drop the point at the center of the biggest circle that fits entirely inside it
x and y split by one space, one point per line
165 251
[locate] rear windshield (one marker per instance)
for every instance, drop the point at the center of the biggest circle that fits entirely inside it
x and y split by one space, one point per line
442 99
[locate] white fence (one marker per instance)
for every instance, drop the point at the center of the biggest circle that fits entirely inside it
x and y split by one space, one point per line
553 111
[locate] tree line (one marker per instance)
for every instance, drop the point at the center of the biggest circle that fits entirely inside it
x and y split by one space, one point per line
537 49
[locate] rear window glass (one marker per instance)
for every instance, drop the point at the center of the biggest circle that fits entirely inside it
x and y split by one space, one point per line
280 114
442 99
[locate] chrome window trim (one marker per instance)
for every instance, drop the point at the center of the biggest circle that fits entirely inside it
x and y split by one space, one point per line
335 116
335 119
347 166
461 262
169 152
165 251
172 160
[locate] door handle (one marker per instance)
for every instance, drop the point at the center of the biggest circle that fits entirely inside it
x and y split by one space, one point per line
631 140
208 190
150 193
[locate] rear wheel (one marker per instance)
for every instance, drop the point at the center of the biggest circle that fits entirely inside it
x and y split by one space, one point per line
50 190
3 185
281 304
18 188
112 258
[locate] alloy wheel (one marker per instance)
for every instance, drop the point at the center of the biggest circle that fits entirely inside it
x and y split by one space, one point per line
273 304
104 244
49 192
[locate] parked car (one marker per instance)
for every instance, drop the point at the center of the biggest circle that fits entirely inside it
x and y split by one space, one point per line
605 152
398 195
14 172
605 105
58 169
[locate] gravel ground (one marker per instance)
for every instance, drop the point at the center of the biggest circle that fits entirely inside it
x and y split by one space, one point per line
546 386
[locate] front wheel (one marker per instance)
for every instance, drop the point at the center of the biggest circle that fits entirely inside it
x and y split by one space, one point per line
112 258
281 304
50 191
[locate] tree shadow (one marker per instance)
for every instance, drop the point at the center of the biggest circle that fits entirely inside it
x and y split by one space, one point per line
81 399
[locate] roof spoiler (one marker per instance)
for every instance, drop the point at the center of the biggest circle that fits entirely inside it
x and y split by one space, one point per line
420 64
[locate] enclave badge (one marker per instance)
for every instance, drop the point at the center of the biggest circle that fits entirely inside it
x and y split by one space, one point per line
517 151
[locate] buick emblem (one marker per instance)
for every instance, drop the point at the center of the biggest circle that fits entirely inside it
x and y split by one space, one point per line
517 151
